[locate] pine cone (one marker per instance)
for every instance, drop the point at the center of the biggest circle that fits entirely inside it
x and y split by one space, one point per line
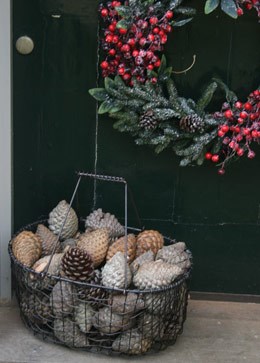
119 245
83 316
144 257
95 244
149 240
57 217
131 342
77 264
151 326
48 240
36 308
95 296
63 298
108 322
27 248
192 123
155 275
175 254
148 120
126 304
69 242
113 273
69 333
99 219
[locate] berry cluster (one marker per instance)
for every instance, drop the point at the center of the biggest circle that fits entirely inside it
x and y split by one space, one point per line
240 128
133 51
248 4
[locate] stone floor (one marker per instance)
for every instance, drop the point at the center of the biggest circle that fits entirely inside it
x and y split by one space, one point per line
214 332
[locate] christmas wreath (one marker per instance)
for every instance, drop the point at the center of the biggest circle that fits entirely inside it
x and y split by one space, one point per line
140 94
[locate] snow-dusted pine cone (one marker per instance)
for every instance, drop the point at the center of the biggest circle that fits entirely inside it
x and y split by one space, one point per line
151 326
69 333
175 255
119 245
83 316
192 123
93 294
149 240
144 257
108 322
36 308
95 243
77 264
99 219
27 248
131 342
114 273
63 298
126 304
148 120
48 240
57 218
156 274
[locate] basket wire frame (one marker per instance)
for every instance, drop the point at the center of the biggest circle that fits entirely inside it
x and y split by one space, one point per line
92 317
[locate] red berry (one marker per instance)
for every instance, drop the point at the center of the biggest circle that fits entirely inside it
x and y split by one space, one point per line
248 106
238 104
122 31
125 48
168 28
243 115
121 71
240 152
104 65
109 38
149 54
115 39
112 52
158 63
254 134
135 53
150 67
208 156
225 128
240 121
119 44
226 140
169 14
154 80
251 154
142 41
237 129
164 39
240 11
131 41
161 33
104 13
127 76
156 30
153 20
215 158
151 37
239 137
221 133
116 3
221 171
232 144
112 28
246 131
228 113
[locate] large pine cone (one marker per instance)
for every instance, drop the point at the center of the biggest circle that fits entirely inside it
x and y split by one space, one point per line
108 322
126 304
27 248
131 342
57 217
144 257
113 273
77 264
175 254
149 240
83 316
148 121
93 294
36 308
69 333
99 219
119 246
156 274
54 269
95 244
63 298
48 240
192 123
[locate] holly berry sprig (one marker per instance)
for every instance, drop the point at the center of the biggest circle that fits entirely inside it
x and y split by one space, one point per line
233 8
241 127
131 42
248 5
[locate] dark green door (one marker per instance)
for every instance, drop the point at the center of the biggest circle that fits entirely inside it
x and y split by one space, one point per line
56 132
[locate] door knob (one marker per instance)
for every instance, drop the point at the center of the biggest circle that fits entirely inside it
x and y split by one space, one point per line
24 45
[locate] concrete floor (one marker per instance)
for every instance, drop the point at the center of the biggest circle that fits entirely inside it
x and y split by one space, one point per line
214 332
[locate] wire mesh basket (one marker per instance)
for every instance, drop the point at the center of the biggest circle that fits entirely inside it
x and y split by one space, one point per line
94 317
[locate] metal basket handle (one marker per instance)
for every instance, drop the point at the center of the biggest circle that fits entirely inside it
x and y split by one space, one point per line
113 179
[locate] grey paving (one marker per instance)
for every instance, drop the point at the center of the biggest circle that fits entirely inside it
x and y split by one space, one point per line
214 332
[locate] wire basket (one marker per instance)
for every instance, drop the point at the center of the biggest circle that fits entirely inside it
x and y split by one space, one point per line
92 317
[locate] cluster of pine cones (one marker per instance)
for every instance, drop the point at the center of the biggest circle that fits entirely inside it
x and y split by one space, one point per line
82 297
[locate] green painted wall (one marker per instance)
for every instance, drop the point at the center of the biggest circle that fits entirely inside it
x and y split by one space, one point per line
56 132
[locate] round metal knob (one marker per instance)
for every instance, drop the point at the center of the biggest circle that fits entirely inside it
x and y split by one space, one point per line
24 45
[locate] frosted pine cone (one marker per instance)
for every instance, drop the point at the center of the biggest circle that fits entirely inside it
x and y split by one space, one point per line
192 123
175 255
95 244
131 342
148 121
77 264
63 298
108 322
48 240
27 248
149 240
57 217
126 304
99 219
156 274
151 326
69 333
144 257
37 308
119 246
113 273
83 316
